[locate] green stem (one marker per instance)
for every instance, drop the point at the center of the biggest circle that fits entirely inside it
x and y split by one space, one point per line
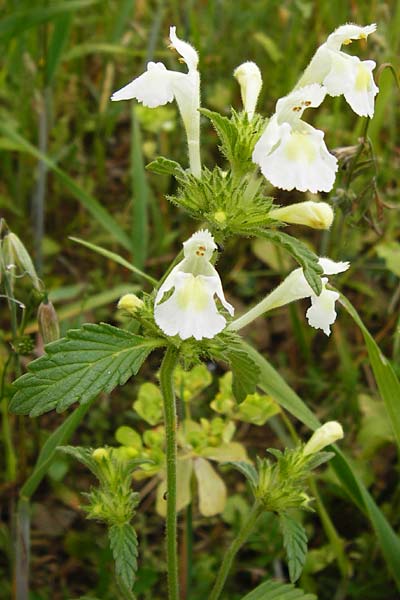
43 463
233 549
11 460
330 530
167 389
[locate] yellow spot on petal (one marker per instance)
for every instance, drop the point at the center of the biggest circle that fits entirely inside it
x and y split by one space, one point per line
362 36
363 79
347 42
194 294
299 147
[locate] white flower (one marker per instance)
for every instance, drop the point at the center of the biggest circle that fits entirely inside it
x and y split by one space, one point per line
191 309
158 86
318 215
343 73
250 81
292 153
320 315
324 436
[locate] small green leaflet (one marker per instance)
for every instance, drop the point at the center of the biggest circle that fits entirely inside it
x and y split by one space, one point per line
303 255
295 543
245 373
164 166
273 590
124 546
89 360
247 469
226 130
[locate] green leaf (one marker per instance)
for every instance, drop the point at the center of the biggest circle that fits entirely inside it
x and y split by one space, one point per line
257 409
149 404
246 469
303 255
295 543
90 360
127 436
272 383
124 546
47 454
225 129
84 456
164 166
245 373
273 590
386 378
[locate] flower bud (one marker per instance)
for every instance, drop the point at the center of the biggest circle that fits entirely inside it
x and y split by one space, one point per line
130 304
100 453
324 436
220 217
250 81
318 215
16 255
48 322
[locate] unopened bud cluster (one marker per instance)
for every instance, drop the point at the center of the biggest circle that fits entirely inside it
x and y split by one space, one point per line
281 485
113 501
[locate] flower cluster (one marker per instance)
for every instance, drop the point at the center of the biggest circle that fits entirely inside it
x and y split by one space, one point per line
291 154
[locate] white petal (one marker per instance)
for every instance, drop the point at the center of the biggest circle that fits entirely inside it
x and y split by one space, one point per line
331 267
153 88
318 68
220 293
321 313
212 490
267 141
301 160
201 242
325 435
340 76
291 107
345 33
313 214
249 77
191 310
187 51
169 282
293 287
361 94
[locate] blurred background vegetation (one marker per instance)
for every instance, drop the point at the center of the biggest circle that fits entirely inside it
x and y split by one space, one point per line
72 164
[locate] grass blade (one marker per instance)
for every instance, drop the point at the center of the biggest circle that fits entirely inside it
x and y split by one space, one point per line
58 42
91 204
116 258
22 20
386 378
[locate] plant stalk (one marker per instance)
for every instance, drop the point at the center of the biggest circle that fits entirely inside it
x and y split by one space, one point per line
233 549
167 389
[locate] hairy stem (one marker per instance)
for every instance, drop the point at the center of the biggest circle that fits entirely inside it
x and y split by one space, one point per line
167 389
233 549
